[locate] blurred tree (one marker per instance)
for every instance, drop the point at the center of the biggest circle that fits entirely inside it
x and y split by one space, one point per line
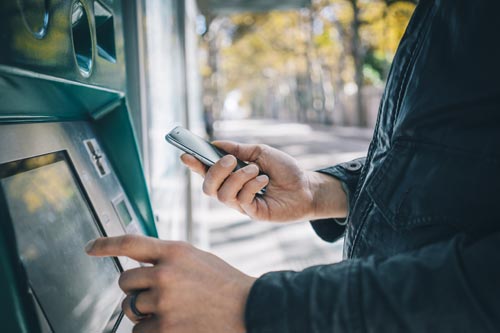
305 64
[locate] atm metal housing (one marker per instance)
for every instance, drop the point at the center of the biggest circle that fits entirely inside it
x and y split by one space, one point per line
63 85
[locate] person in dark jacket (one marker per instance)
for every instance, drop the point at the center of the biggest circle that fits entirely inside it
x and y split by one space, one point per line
420 215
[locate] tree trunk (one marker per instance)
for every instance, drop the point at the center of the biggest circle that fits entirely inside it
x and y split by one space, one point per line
358 57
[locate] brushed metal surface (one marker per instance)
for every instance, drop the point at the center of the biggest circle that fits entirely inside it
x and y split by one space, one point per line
21 141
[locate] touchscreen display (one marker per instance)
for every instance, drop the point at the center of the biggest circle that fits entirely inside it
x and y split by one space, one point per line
53 222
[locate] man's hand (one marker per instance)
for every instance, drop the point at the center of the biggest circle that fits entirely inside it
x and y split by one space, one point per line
292 194
186 290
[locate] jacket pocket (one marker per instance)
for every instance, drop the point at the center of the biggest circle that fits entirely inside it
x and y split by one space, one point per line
420 184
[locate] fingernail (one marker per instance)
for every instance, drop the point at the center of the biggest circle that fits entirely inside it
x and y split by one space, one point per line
262 178
227 161
252 168
89 245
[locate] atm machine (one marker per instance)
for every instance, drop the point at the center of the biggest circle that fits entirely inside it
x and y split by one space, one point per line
70 169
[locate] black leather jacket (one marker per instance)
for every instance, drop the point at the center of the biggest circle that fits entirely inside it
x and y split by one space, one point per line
422 236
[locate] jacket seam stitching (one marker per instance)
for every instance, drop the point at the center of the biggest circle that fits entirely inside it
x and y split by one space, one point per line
360 228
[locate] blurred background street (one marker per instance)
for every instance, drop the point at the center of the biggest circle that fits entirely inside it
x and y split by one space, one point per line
258 247
304 76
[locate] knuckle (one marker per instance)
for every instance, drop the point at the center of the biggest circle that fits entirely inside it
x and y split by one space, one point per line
249 186
223 196
243 197
207 188
254 185
179 249
237 149
127 242
264 149
161 302
258 151
201 170
243 174
261 148
163 325
122 281
162 277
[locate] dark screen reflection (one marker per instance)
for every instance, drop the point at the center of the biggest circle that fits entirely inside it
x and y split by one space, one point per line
53 223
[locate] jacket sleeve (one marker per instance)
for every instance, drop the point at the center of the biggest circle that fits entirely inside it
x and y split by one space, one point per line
446 287
348 173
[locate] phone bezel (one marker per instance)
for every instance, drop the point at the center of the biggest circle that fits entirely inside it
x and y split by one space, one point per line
182 147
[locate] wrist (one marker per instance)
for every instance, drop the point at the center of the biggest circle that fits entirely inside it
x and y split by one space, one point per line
245 287
329 199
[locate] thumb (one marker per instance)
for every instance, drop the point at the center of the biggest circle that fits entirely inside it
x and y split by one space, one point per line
245 152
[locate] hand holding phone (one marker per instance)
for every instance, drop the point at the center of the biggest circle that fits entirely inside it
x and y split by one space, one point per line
292 194
199 148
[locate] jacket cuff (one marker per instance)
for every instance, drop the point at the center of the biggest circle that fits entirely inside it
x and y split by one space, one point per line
348 173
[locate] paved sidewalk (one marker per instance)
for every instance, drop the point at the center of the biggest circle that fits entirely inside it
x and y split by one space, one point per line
259 247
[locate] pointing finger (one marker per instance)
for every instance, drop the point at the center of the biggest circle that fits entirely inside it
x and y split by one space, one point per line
140 248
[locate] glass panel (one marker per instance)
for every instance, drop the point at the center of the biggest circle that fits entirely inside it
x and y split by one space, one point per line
165 87
53 223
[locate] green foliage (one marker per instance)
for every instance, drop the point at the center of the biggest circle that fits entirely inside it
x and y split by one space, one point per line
263 52
378 63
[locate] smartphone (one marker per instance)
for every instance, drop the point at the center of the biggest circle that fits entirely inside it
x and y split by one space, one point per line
198 147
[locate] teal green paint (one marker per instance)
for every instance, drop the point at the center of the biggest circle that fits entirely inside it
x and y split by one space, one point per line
117 136
52 99
32 98
40 82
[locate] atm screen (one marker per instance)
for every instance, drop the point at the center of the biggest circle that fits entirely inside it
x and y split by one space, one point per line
53 221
